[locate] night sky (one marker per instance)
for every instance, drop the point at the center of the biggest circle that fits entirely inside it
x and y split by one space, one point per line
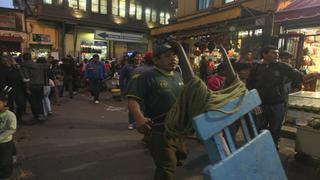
6 3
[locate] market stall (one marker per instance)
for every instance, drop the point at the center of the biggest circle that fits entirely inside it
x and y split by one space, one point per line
304 114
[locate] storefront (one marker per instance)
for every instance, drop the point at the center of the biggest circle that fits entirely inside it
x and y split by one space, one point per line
89 48
12 36
300 35
40 46
106 44
234 40
297 23
12 43
43 38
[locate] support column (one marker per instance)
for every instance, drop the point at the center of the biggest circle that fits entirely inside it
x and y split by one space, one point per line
75 38
109 7
268 30
62 39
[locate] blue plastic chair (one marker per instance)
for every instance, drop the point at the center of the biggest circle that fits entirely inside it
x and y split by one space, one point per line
258 159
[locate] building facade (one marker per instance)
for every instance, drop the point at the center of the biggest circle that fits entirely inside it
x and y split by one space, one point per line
82 28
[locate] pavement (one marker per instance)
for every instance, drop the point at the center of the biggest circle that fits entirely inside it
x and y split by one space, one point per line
87 141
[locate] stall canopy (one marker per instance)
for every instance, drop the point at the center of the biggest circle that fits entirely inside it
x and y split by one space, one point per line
297 9
199 21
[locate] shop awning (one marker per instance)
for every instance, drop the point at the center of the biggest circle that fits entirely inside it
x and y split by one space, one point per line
297 9
224 15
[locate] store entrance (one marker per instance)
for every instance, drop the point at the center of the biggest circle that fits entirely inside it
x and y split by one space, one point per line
9 47
292 43
40 50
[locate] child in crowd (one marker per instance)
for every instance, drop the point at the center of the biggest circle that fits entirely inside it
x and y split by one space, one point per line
8 125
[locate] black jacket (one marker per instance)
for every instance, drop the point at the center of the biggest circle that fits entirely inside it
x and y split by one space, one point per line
270 80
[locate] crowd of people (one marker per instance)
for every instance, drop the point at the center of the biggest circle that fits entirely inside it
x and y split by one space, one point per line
40 83
151 84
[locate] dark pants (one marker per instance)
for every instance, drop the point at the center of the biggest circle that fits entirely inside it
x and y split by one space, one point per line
6 165
95 86
131 118
67 84
273 118
35 99
17 103
166 152
54 95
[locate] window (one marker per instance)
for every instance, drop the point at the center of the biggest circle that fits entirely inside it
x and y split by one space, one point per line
162 18
82 4
203 4
154 16
258 32
47 1
103 6
122 8
132 11
73 4
167 18
115 7
119 8
78 4
139 12
95 6
148 14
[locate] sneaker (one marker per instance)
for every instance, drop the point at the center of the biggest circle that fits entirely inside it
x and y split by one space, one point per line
130 127
96 102
91 99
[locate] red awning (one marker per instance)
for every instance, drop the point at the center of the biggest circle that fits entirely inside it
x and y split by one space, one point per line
297 9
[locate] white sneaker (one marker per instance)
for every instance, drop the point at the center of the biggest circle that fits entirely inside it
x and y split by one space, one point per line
96 102
130 127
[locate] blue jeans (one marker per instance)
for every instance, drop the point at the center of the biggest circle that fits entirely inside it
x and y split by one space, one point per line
95 86
273 118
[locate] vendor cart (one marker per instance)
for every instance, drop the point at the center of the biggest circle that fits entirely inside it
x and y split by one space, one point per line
304 114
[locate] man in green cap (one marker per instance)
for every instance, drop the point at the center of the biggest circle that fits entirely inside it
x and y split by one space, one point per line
158 89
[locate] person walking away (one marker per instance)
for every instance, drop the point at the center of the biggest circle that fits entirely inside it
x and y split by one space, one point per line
10 75
55 74
83 82
47 111
203 69
95 72
125 76
158 89
76 76
8 125
216 81
34 74
269 80
68 71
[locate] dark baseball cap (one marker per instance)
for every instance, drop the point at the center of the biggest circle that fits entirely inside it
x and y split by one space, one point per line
160 49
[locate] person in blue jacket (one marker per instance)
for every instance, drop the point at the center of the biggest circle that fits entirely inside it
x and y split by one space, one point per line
125 76
95 73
